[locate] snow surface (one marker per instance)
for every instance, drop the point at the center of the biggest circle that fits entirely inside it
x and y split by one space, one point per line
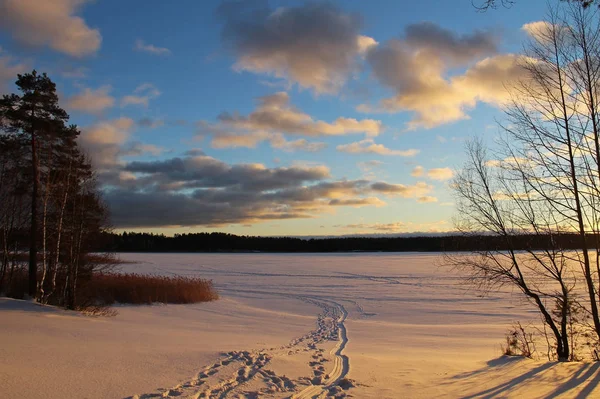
301 326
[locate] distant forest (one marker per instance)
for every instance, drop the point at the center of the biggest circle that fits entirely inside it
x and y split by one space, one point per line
222 242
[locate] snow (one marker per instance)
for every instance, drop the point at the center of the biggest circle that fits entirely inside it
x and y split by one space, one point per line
395 325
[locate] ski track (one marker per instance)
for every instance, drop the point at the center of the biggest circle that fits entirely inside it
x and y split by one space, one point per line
231 374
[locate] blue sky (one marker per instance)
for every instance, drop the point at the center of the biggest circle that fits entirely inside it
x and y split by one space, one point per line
271 117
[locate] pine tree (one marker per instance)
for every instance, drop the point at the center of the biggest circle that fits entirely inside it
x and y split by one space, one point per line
35 117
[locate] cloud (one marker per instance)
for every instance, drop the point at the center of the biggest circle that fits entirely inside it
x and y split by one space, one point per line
434 174
150 48
72 72
275 116
137 148
417 190
543 31
365 43
368 168
151 123
50 23
9 68
426 199
92 101
417 66
418 171
357 202
440 174
399 227
103 141
508 162
203 171
141 95
278 141
382 227
368 146
368 165
199 190
315 45
535 28
434 41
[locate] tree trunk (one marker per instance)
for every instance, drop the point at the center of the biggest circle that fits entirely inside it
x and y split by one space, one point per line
45 231
60 228
33 228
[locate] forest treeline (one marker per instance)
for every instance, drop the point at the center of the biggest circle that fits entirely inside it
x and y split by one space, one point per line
49 201
223 242
52 216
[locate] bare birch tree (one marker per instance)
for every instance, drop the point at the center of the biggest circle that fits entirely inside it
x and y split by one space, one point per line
544 178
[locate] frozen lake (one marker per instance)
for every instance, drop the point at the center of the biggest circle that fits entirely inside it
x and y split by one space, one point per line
362 325
409 319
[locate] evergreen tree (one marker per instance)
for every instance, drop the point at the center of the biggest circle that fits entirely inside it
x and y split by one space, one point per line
36 120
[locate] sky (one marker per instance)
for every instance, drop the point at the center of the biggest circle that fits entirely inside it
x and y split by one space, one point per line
273 117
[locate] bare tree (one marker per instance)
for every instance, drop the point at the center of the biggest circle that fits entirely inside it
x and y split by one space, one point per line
489 200
544 179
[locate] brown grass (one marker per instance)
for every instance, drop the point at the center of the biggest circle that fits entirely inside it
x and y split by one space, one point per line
100 290
110 288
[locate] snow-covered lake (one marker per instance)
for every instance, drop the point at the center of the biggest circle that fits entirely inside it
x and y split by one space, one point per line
288 325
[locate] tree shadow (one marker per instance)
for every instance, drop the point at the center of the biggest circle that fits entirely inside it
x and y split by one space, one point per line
586 371
505 387
566 377
499 362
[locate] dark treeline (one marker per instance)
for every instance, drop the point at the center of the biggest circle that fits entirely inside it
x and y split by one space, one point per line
49 202
52 217
222 242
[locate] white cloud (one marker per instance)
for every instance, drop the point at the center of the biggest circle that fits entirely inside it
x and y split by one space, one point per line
279 141
141 95
440 174
52 23
103 141
368 146
365 43
543 31
150 48
417 171
92 101
417 68
274 117
434 174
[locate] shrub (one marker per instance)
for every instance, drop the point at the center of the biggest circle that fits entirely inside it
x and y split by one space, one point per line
519 342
